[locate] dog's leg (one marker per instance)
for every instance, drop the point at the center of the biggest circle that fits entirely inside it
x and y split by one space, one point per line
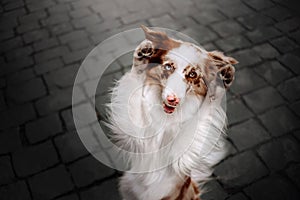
142 55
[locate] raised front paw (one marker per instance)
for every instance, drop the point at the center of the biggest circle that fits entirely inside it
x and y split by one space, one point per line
144 50
227 75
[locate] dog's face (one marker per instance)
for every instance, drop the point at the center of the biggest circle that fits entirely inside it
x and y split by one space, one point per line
183 70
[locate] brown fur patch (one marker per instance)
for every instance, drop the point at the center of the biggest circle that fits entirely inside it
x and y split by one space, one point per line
197 82
186 191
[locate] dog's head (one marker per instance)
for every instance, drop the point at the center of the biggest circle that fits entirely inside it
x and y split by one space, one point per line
183 70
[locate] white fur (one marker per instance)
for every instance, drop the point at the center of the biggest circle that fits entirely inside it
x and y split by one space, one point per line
140 125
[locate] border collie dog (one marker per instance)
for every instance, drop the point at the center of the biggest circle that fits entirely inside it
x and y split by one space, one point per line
167 111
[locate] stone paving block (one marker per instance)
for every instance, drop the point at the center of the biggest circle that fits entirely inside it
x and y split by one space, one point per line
59 8
79 44
246 80
43 128
247 57
201 34
28 91
227 28
207 17
76 56
32 17
291 61
231 10
237 111
15 65
39 5
262 34
284 44
11 44
62 78
6 35
51 183
34 159
275 187
61 28
69 197
68 120
15 191
288 25
50 54
88 170
259 5
57 100
3 105
293 173
266 51
295 107
16 116
214 191
279 121
278 154
273 72
73 36
79 13
278 13
70 146
10 141
14 5
263 99
247 134
18 53
238 196
240 170
7 174
165 21
20 76
107 190
46 43
255 20
56 19
48 66
290 89
35 35
233 43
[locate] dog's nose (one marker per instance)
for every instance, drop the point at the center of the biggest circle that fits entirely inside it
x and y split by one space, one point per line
172 99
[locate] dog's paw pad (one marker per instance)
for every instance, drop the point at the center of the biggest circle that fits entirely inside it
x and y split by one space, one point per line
227 75
145 49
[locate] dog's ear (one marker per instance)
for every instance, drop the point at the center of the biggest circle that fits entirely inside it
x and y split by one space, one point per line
154 36
222 66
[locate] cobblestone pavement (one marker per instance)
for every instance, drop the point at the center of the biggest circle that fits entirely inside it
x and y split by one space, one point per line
43 42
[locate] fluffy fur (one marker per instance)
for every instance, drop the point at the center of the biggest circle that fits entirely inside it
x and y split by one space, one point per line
191 133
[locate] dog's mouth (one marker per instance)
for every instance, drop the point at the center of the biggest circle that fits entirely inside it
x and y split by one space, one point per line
168 108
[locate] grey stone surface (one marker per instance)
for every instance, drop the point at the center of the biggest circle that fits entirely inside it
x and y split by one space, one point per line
279 153
70 147
273 72
88 170
42 44
279 121
275 187
240 170
51 183
34 159
247 134
263 99
43 128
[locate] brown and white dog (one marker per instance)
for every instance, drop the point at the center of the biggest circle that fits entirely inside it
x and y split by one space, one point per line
172 95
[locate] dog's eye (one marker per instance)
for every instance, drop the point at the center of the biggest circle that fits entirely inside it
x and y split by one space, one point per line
192 74
168 67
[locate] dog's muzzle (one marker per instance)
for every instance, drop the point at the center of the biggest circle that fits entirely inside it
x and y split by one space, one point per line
170 103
